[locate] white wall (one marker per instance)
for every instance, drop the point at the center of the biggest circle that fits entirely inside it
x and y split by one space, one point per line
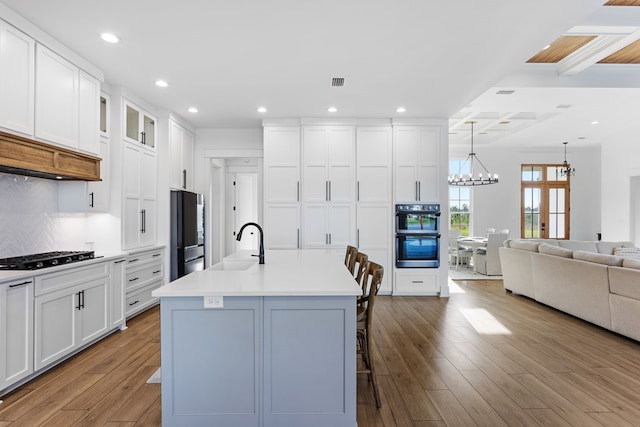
498 206
620 161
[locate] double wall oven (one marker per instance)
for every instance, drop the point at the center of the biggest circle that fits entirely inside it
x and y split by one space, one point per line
418 235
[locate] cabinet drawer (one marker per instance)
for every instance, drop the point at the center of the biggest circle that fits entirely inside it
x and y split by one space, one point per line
141 298
141 275
416 284
143 257
64 279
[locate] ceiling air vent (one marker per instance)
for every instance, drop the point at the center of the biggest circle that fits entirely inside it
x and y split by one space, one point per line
337 81
564 106
505 92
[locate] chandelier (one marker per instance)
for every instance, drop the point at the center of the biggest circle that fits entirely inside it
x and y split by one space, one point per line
566 169
471 179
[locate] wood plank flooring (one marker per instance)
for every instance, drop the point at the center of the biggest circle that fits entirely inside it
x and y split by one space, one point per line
482 357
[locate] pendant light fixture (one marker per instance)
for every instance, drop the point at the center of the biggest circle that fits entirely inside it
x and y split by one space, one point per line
566 169
472 179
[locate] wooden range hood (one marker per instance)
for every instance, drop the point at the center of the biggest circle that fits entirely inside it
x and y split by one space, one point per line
23 156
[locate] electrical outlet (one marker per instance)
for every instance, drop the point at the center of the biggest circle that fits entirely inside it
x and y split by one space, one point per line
213 302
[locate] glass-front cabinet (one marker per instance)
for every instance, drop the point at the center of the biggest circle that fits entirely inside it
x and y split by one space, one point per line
140 126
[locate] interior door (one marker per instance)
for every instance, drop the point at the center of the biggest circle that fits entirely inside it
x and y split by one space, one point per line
544 203
245 209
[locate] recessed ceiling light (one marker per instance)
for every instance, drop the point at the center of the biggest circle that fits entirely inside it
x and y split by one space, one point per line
109 38
262 110
161 83
595 122
332 109
505 92
192 110
401 110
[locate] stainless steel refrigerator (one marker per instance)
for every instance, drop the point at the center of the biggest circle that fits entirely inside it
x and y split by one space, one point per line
187 233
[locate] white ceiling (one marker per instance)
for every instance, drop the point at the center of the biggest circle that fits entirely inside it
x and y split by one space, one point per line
438 59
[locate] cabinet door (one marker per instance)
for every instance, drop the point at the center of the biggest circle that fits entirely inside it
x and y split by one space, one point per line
98 191
314 226
16 331
132 119
341 162
89 114
17 79
148 228
116 293
131 222
281 165
175 155
148 174
131 170
282 222
373 163
94 314
56 116
341 225
428 164
188 170
406 146
55 326
315 174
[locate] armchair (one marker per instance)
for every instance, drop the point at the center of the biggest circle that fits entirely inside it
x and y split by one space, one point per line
488 259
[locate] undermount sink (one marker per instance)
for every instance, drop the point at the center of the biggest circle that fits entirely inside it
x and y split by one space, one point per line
234 265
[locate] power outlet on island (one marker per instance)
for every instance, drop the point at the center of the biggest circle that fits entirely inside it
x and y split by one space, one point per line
213 302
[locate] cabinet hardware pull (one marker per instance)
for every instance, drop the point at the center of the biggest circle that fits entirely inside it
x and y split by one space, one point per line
155 255
142 220
419 190
134 279
134 260
298 239
91 204
184 179
417 281
15 285
134 303
358 237
82 299
329 238
143 139
358 191
157 271
118 262
326 191
78 296
329 190
298 192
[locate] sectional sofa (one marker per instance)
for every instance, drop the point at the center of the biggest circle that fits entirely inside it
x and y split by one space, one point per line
595 281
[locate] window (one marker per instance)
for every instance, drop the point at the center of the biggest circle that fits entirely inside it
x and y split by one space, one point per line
459 200
545 202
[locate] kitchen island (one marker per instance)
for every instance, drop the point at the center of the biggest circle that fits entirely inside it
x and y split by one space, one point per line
248 344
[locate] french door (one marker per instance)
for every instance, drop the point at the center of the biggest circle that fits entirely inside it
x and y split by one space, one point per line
544 203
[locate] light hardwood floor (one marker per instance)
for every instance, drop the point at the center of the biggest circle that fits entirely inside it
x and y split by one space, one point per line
481 357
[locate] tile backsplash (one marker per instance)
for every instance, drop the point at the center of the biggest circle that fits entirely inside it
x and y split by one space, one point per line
29 218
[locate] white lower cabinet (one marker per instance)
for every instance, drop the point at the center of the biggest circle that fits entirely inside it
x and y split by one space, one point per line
116 309
16 331
71 310
412 281
144 273
374 237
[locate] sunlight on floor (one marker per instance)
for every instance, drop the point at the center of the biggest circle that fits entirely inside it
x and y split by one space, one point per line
484 322
454 288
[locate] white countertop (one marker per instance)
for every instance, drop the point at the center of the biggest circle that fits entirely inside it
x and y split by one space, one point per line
11 275
285 273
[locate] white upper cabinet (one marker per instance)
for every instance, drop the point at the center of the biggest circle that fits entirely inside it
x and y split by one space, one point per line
67 103
17 79
56 98
181 146
374 164
281 164
328 162
140 126
416 163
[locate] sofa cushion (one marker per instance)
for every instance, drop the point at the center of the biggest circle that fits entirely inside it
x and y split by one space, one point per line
624 281
605 259
627 252
631 263
609 247
578 245
526 245
545 248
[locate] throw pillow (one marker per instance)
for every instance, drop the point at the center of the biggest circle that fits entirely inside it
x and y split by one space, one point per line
627 252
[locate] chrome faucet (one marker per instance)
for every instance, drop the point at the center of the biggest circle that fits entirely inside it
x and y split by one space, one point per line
239 236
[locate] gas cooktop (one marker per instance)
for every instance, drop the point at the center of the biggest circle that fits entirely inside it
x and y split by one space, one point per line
43 260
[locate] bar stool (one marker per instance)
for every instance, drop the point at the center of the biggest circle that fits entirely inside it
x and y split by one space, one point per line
350 258
371 282
360 267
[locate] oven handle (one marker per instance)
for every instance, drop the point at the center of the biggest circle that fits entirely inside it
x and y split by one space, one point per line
398 213
414 234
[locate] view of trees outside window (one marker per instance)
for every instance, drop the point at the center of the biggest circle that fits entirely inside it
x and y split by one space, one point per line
459 200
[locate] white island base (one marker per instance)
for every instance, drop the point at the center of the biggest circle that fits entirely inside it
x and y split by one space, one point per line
280 351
